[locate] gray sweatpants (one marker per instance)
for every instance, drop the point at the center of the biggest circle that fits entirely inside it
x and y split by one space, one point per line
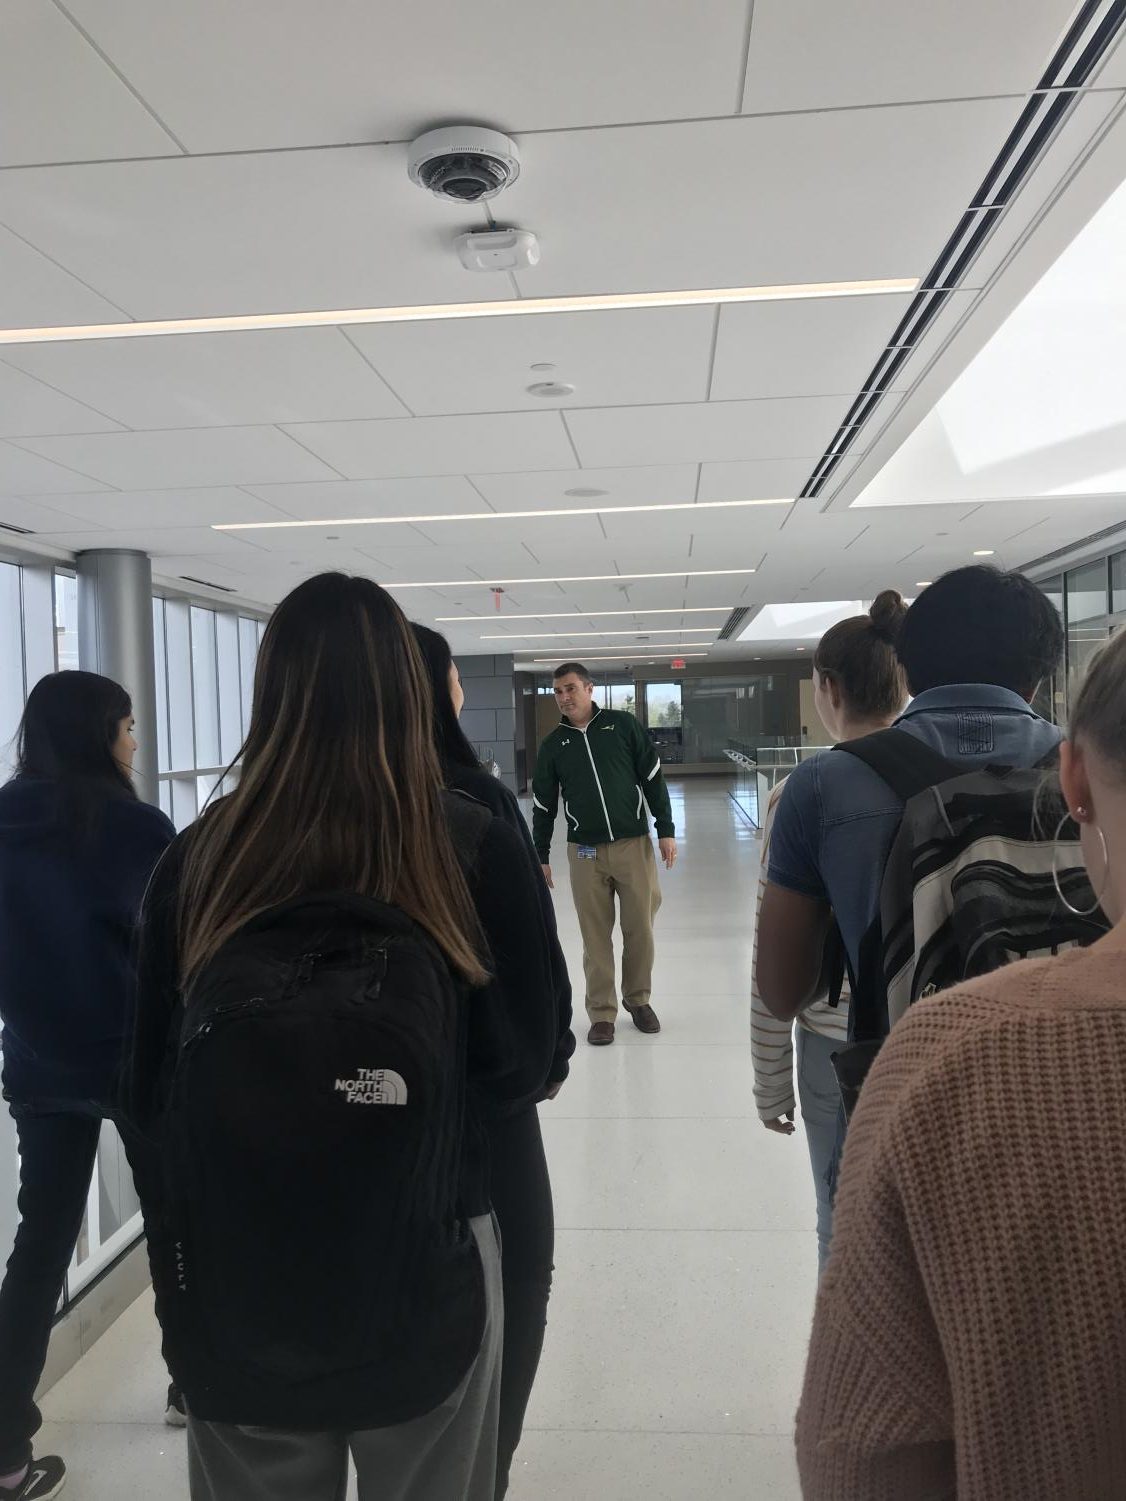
449 1454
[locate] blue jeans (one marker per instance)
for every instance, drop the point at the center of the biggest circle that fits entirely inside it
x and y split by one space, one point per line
820 1099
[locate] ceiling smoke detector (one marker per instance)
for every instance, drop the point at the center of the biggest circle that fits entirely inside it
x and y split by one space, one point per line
464 163
550 389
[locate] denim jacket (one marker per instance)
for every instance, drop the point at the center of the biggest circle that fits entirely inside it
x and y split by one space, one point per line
837 819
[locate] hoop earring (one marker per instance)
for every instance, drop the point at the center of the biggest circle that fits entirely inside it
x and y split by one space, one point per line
1074 910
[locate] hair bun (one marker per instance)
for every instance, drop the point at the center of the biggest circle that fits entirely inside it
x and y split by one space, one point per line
887 615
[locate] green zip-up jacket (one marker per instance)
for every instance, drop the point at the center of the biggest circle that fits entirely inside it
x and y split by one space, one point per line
607 773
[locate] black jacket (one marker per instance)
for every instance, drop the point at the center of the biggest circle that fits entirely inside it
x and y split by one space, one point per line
514 1025
69 904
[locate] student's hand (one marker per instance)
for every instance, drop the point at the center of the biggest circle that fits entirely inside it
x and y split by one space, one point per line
547 877
667 848
784 1124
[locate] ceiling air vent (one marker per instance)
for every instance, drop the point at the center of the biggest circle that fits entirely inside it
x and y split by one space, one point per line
1095 30
207 584
734 623
20 531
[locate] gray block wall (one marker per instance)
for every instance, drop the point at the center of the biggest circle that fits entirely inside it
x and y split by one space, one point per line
489 716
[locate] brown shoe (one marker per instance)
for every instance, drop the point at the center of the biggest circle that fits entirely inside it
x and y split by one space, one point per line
600 1034
644 1018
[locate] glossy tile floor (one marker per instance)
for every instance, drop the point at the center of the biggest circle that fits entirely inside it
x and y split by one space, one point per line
685 1253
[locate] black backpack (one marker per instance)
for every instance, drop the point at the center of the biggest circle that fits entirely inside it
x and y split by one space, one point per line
314 1269
967 887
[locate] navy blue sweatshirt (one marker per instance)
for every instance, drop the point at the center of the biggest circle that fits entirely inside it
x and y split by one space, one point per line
69 904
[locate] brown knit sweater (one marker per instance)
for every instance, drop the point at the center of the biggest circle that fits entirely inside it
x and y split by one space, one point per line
970 1334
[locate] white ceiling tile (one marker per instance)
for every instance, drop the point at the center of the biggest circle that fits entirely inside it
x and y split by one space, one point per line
441 495
134 509
35 517
806 55
62 102
653 484
29 408
194 380
23 473
485 364
169 541
439 445
816 348
240 234
287 74
759 201
181 458
766 479
787 428
35 291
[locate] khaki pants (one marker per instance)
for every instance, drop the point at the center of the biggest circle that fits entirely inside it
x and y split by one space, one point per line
626 869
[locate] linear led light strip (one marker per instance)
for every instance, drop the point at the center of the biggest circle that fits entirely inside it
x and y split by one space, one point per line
668 649
577 578
640 656
433 312
687 505
594 614
579 635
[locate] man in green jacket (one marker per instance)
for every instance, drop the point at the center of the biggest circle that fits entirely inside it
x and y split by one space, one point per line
607 769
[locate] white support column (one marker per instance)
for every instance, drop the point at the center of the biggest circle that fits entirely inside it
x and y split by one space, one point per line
115 638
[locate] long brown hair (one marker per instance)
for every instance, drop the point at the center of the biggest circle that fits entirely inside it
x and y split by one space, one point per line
859 654
340 788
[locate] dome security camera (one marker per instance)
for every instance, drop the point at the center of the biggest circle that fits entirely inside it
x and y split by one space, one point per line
464 163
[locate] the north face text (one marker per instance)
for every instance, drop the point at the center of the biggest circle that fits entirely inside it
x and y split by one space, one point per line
374 1086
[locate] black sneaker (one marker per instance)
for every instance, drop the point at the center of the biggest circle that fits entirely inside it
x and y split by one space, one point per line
45 1477
175 1413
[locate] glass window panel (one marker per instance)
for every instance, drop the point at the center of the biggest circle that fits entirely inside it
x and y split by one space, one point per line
205 687
1118 583
38 594
66 621
160 660
11 664
663 704
230 686
247 657
1087 592
165 794
205 786
181 733
185 803
1088 622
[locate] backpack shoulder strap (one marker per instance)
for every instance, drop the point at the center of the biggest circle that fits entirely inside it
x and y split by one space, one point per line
469 823
907 764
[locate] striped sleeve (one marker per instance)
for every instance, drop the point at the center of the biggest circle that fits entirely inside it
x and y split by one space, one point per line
772 1041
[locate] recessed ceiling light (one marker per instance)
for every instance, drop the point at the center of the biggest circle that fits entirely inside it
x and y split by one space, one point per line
550 389
541 366
585 492
801 648
590 614
680 505
923 584
984 552
575 635
576 578
432 312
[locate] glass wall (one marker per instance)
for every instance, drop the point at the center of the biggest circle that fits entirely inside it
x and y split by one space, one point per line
1092 602
204 682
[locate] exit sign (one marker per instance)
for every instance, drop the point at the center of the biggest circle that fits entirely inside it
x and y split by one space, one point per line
677 662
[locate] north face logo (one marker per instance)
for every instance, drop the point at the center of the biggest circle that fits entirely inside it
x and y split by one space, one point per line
374 1086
